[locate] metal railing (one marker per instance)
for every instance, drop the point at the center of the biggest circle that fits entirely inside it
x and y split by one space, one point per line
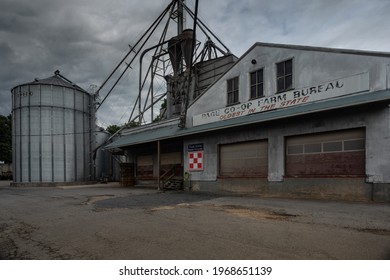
175 172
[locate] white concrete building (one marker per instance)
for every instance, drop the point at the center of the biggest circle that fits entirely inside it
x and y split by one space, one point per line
283 120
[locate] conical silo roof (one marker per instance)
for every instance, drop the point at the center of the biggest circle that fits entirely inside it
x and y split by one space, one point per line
56 80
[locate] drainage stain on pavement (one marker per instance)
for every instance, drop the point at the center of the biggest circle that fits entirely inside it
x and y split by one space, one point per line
376 231
256 213
96 198
170 201
150 201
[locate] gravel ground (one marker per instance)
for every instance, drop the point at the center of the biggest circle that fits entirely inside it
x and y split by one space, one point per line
105 221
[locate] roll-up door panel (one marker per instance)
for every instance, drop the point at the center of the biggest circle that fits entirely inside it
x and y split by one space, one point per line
248 159
145 166
340 153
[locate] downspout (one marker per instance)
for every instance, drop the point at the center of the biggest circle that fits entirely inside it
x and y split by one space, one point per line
158 164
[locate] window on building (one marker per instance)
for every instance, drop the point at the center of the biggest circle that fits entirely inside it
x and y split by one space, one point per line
256 84
232 91
284 75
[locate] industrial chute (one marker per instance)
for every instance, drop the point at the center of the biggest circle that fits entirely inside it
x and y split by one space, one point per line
171 62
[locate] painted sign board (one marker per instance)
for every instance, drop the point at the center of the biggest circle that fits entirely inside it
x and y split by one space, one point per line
195 147
340 87
195 157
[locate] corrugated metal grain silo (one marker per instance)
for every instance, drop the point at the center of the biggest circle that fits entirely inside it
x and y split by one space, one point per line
106 163
102 158
53 122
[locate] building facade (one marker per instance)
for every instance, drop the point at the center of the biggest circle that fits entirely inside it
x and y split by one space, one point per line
283 120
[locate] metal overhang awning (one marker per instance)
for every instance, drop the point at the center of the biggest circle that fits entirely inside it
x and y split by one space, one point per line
173 131
145 136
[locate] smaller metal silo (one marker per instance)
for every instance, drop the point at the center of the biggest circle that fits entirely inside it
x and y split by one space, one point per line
102 159
52 131
106 163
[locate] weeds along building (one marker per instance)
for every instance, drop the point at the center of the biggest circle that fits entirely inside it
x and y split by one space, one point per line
282 120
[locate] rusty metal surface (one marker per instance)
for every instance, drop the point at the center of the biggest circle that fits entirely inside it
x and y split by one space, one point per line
334 164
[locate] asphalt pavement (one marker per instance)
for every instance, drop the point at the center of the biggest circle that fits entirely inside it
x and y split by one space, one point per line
106 221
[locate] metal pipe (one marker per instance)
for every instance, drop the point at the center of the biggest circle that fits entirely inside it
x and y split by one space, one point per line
132 112
180 16
152 92
157 100
182 123
75 136
158 163
150 69
20 142
51 137
40 135
132 49
162 39
140 76
64 132
201 23
154 27
29 137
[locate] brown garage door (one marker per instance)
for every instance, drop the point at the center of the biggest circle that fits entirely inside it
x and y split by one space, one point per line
248 159
340 153
145 167
169 161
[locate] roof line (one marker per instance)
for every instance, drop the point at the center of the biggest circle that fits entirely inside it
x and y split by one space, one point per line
296 47
322 49
66 82
299 110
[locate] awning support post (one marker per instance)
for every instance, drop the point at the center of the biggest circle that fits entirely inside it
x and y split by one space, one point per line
158 164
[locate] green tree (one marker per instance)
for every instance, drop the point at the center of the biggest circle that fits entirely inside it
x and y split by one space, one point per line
157 119
133 124
113 128
6 139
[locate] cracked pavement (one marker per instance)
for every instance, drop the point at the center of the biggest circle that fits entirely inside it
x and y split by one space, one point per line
105 221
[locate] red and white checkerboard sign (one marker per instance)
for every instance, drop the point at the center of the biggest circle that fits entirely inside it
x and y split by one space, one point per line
195 161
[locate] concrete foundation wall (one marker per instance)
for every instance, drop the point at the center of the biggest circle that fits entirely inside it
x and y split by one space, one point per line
378 146
50 184
348 189
381 192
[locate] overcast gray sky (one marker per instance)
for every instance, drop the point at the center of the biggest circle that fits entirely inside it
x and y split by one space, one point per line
85 39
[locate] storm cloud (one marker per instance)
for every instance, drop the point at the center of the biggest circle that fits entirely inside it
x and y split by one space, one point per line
85 39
